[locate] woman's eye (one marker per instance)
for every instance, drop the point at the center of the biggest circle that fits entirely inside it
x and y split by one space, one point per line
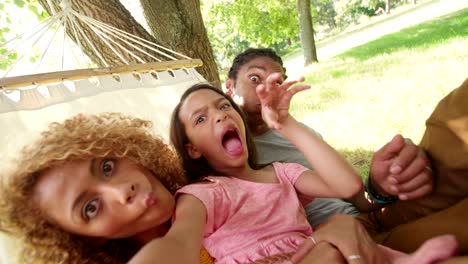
255 78
107 167
200 119
90 209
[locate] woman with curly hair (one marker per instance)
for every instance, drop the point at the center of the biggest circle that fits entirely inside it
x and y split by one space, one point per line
96 152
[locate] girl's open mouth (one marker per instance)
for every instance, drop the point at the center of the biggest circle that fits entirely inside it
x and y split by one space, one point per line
232 143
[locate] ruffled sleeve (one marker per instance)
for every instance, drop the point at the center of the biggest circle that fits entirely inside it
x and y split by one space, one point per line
212 196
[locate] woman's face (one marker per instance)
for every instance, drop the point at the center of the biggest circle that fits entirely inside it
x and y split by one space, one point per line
104 198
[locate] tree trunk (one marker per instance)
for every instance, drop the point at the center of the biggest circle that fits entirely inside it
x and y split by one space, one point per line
307 32
113 13
178 25
387 7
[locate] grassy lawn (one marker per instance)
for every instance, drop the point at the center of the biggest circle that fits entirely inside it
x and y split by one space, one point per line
372 21
362 98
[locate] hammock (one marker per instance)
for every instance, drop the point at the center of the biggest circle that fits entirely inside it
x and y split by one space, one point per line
29 103
148 89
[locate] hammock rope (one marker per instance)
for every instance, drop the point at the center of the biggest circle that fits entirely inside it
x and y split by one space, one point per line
35 90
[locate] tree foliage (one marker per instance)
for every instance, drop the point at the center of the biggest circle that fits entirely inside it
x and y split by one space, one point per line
7 22
235 25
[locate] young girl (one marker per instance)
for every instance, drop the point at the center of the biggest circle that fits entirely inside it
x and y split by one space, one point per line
241 211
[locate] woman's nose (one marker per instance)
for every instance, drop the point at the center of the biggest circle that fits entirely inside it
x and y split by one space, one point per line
123 193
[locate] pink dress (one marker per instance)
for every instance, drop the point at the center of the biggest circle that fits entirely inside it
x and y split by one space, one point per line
248 221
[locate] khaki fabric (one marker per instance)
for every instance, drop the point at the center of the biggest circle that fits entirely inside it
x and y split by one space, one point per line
446 143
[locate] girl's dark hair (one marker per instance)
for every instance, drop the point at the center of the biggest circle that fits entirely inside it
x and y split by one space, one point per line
198 168
250 54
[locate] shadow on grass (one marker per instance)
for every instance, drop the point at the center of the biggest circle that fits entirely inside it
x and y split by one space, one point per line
421 36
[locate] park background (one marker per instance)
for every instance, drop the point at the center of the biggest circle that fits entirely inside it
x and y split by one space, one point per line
378 73
378 68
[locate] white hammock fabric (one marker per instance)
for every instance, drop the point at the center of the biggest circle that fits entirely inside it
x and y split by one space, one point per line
140 95
29 103
38 96
149 90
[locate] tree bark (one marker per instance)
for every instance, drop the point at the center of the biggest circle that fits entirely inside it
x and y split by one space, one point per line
178 25
387 7
307 32
113 13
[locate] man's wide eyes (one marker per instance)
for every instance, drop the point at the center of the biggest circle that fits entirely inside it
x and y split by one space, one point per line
255 78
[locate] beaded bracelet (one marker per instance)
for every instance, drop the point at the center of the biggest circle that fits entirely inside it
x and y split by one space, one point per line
374 196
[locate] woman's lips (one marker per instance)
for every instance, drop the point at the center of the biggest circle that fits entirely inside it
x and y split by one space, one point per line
150 199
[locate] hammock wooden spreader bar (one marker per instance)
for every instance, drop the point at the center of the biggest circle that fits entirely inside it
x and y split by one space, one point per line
71 75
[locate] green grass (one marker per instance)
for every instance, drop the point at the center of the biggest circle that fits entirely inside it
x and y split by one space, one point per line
419 37
296 50
359 101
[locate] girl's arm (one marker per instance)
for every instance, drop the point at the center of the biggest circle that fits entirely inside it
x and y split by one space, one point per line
182 243
332 175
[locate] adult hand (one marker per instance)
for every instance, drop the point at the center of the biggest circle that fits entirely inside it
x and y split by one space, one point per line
275 98
323 252
349 237
401 168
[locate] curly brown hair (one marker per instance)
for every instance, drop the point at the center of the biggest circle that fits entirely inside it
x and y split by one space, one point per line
80 137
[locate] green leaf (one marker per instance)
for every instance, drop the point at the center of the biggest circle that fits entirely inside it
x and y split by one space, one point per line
3 64
44 15
32 59
19 3
13 56
34 9
5 30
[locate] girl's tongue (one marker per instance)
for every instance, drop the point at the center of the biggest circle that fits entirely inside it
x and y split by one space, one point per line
232 144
